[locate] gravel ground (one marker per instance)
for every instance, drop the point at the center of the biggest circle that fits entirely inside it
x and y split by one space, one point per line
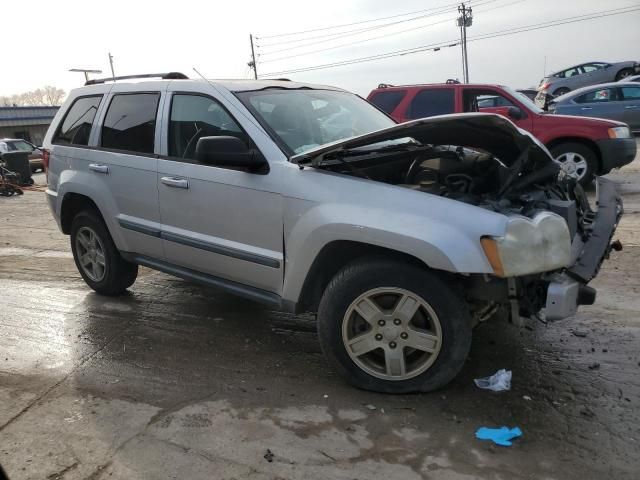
179 381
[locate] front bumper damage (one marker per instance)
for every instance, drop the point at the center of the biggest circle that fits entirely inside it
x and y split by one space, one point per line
567 290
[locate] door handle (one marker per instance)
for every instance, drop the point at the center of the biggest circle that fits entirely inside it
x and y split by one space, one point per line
99 168
586 108
175 182
630 106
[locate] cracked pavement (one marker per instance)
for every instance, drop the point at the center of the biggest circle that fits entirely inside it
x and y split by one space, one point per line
179 381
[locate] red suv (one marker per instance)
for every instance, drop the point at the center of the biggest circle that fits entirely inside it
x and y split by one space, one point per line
583 146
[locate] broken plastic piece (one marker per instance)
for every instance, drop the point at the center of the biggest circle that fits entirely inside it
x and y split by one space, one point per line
500 436
498 382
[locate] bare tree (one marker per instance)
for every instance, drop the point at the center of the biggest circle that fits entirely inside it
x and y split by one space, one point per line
48 95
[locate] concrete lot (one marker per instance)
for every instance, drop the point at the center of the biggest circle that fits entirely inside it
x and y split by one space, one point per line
178 381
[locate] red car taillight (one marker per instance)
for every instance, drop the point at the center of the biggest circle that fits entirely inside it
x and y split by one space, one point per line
45 161
544 86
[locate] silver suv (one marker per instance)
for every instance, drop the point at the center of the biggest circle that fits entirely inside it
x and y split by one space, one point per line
401 237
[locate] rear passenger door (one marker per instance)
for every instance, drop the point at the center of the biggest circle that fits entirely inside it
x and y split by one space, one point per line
631 101
126 160
216 220
430 102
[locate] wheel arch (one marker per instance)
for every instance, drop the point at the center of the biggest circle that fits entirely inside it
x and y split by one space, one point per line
72 204
336 255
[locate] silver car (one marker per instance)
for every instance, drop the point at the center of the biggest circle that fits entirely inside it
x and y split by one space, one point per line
632 78
401 237
615 101
584 75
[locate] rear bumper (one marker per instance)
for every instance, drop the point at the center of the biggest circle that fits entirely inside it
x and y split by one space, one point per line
569 289
616 152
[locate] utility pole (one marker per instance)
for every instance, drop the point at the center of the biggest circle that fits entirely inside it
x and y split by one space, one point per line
464 20
252 63
113 75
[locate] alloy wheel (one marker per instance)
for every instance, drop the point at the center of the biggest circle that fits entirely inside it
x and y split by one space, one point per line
391 333
573 164
90 252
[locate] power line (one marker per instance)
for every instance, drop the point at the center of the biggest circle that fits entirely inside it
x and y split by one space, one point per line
522 29
347 33
355 23
348 44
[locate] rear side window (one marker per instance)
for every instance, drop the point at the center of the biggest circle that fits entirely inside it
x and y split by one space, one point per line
436 101
130 123
631 93
76 126
388 101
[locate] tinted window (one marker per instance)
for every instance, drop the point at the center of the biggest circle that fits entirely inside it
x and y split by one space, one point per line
592 67
388 101
631 93
598 96
428 103
194 117
76 126
131 122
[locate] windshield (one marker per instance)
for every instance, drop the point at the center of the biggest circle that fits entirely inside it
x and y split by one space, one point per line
522 98
303 119
20 145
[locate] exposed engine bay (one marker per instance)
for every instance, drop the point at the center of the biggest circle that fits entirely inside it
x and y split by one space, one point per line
486 161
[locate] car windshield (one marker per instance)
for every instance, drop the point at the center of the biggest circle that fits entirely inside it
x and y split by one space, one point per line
303 119
20 145
522 98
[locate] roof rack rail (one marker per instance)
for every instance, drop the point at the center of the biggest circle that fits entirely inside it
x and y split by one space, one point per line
164 76
385 85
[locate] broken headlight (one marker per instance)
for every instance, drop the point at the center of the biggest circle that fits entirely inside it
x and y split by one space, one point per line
529 246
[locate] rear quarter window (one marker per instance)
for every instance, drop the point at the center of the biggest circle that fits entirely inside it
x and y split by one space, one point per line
76 125
388 101
430 102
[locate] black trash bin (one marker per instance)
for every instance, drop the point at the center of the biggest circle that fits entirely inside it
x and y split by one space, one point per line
18 162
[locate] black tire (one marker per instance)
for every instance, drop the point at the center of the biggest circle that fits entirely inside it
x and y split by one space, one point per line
587 153
624 73
561 91
367 274
118 273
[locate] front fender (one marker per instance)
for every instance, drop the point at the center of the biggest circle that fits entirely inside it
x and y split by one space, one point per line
443 245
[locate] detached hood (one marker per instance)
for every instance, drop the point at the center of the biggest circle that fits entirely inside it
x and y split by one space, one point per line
485 131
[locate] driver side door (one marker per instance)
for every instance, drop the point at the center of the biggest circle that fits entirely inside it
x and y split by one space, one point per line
221 221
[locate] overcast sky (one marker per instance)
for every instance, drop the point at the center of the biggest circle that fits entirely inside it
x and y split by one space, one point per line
145 36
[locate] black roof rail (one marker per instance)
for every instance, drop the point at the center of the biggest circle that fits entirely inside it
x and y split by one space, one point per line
281 79
385 85
164 76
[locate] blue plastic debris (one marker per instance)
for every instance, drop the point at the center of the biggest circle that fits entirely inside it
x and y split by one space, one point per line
500 436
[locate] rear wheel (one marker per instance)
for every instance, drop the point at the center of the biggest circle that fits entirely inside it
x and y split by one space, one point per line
393 327
97 258
624 73
577 161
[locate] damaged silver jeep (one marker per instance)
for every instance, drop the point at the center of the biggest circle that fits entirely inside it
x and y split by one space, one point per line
400 237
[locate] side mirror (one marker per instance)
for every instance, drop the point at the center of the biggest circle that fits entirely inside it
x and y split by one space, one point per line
515 112
230 152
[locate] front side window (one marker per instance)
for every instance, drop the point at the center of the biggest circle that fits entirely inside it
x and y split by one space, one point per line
431 102
76 126
130 123
194 117
631 93
302 119
388 101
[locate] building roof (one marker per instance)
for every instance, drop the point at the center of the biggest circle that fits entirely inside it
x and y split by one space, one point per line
23 116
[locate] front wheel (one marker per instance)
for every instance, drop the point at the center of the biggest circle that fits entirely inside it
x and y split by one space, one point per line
97 258
577 161
393 327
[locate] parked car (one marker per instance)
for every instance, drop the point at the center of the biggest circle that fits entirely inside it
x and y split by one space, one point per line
584 147
528 92
584 75
400 237
616 101
15 144
632 78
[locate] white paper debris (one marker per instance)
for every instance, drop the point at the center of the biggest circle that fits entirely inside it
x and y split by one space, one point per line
498 382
